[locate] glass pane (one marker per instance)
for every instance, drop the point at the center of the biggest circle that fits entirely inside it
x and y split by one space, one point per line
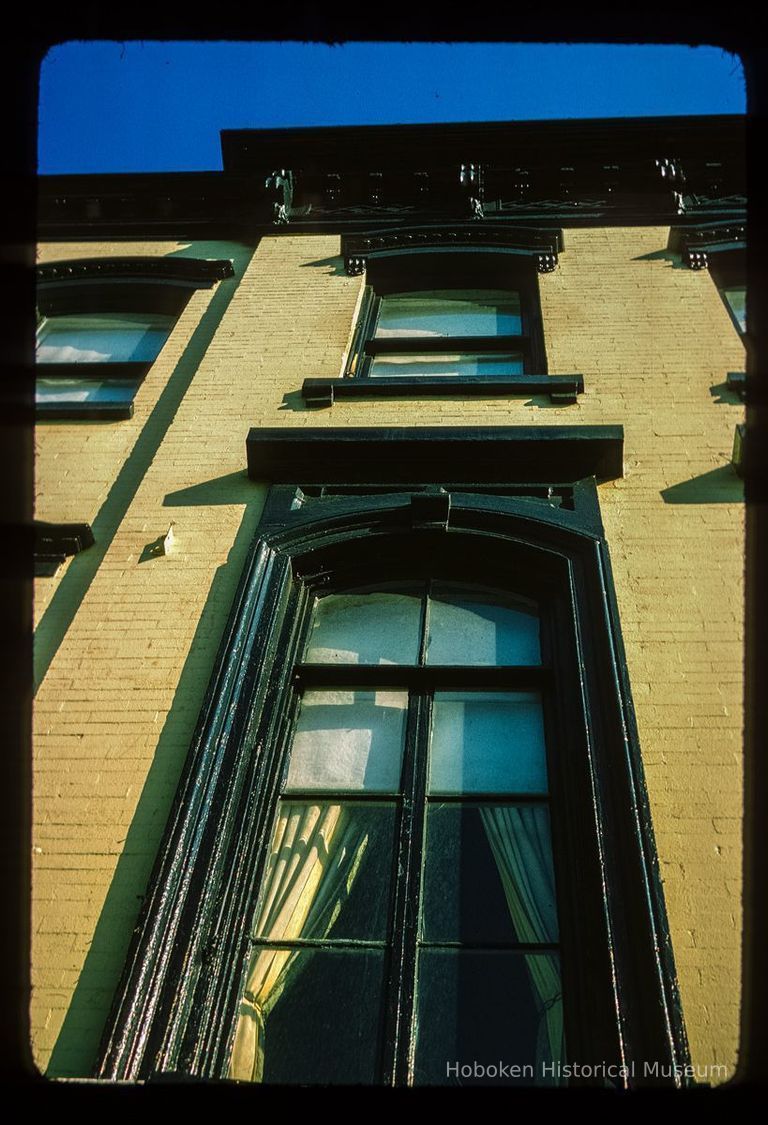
365 628
85 390
478 1010
102 338
450 312
487 742
488 875
348 740
464 364
467 627
310 1016
329 873
737 303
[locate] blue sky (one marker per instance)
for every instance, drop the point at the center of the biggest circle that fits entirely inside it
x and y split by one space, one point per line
150 106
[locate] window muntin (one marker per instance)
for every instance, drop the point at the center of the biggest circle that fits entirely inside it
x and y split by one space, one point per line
428 771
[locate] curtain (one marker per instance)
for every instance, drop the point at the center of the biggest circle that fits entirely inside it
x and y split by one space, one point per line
316 854
519 840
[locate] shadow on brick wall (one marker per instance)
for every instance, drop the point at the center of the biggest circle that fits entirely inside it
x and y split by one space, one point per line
718 486
75 1052
75 583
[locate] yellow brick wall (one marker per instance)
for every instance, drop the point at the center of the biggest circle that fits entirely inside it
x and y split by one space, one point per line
116 710
86 472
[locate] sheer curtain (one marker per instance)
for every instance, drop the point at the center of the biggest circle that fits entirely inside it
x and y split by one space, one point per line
316 854
519 840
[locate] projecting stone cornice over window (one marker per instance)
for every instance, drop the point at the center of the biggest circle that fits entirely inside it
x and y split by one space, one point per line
462 456
538 243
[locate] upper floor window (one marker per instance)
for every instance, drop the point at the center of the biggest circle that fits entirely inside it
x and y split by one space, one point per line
451 316
101 325
96 359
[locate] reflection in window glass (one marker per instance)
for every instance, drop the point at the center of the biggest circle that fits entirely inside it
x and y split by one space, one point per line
486 1007
365 628
481 628
488 874
447 365
487 742
736 299
85 390
450 312
102 338
348 740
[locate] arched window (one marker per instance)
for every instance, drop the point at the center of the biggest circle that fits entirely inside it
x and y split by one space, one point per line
411 838
407 919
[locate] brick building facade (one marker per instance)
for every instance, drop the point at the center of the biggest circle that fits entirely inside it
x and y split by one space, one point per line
134 632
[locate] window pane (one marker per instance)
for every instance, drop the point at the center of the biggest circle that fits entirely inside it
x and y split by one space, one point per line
85 390
487 742
450 312
329 873
488 874
310 1016
465 364
348 740
365 628
736 298
467 627
477 1009
102 338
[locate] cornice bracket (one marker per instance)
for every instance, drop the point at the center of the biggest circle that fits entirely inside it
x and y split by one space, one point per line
355 266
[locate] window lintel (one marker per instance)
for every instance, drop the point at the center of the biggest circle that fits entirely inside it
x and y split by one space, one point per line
540 246
463 455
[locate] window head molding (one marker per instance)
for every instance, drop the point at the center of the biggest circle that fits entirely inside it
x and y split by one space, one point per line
542 245
465 456
200 272
175 1010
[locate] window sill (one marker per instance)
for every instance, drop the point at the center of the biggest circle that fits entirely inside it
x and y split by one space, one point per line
562 389
83 411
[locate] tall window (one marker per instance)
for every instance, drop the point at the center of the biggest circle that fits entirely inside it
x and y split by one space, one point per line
406 923
411 835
